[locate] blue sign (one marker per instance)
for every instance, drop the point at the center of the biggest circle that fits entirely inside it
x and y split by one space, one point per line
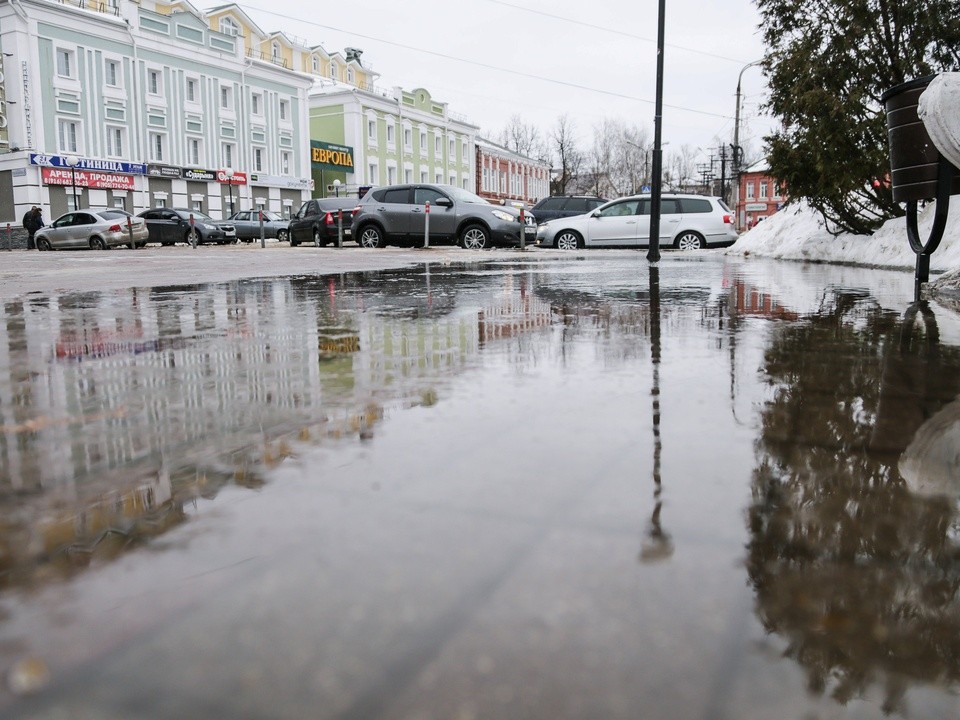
111 166
644 188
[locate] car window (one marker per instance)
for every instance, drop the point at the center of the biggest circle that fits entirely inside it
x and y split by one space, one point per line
695 205
668 206
426 195
595 202
554 203
242 216
577 205
398 195
84 219
150 215
169 215
114 214
619 209
64 221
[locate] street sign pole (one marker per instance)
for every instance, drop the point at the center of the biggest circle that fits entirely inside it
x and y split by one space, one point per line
426 224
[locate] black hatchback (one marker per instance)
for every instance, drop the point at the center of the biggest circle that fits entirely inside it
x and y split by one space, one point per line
561 206
317 221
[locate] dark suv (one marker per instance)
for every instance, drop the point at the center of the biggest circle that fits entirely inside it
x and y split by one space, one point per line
559 206
317 221
397 214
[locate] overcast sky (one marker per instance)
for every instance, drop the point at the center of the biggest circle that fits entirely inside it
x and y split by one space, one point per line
490 59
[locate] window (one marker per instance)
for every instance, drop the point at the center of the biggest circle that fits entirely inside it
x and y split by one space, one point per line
408 176
391 176
763 188
436 145
408 138
453 149
334 70
258 159
67 135
64 63
350 75
193 151
438 178
111 73
372 130
153 82
156 146
397 196
390 133
229 27
115 142
627 207
695 205
750 190
256 104
373 174
285 163
118 203
423 142
225 97
226 154
423 176
275 50
196 206
316 64
191 90
283 109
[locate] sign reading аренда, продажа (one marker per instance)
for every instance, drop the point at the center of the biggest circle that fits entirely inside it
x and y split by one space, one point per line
326 156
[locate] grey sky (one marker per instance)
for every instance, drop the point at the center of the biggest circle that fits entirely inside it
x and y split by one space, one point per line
490 59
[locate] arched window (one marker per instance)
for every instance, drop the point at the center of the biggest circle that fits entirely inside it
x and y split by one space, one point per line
275 50
316 64
334 71
350 75
228 26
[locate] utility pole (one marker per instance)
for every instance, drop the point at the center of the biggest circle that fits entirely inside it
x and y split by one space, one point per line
653 252
737 150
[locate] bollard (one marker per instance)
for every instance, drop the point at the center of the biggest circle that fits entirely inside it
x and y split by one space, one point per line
9 238
340 228
133 245
263 236
523 231
193 232
426 224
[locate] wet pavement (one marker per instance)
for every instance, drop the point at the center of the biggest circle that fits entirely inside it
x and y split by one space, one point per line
536 486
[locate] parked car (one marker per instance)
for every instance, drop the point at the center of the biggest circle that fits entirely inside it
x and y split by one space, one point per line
172 225
687 222
396 214
93 229
247 225
557 206
316 221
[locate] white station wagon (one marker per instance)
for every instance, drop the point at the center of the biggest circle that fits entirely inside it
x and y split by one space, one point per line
687 222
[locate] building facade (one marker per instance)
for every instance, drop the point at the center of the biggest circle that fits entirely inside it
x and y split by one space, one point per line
506 176
759 196
384 138
144 104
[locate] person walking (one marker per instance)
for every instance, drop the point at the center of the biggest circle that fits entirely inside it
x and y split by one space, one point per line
32 222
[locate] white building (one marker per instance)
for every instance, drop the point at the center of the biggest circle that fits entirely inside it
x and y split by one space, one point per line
154 102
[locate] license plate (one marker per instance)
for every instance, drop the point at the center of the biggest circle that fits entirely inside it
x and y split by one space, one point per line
530 230
231 233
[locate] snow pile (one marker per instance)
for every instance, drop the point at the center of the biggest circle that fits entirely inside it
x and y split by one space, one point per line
797 232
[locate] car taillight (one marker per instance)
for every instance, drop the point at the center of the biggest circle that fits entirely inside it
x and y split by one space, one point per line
329 218
115 228
728 219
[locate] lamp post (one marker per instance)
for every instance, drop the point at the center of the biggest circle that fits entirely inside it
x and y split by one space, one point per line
336 186
228 173
653 251
737 150
72 161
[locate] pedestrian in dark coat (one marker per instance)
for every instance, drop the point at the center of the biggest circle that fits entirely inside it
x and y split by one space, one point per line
33 221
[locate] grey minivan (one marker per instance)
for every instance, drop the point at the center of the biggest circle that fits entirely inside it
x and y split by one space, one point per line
397 214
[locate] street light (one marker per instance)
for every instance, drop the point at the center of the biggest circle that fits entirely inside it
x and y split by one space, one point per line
737 150
228 173
336 186
653 251
72 161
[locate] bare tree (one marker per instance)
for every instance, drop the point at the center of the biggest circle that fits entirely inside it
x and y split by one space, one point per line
524 139
569 157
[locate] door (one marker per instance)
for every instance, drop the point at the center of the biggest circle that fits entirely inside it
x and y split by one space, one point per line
168 223
301 226
393 210
669 221
615 224
443 220
244 225
59 232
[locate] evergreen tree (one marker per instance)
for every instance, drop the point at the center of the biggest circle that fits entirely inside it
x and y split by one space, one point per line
828 62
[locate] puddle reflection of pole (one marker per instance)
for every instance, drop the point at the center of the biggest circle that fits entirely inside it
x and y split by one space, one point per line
656 545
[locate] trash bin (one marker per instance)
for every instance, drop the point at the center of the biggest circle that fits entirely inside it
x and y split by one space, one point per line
914 158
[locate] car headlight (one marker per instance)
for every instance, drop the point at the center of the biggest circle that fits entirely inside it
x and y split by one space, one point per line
506 217
204 226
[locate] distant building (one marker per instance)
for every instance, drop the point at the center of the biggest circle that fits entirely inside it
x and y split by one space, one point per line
506 176
759 196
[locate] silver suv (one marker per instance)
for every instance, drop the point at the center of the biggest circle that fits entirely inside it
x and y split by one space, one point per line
687 222
397 214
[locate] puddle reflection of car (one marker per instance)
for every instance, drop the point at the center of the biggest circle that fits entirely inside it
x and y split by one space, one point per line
93 229
247 225
687 222
172 225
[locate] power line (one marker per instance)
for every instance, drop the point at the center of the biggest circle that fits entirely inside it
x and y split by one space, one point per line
509 71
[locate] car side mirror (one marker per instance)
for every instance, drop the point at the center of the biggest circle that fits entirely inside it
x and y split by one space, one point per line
595 214
444 202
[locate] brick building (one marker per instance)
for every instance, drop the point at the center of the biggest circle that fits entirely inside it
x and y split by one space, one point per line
503 175
759 196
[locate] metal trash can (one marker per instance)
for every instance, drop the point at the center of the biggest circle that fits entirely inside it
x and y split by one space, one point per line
914 159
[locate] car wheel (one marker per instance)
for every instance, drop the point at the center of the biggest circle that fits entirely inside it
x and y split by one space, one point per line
474 237
568 240
371 237
97 243
283 235
43 244
192 237
690 240
319 240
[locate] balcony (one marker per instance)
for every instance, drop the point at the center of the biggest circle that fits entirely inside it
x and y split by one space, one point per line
260 55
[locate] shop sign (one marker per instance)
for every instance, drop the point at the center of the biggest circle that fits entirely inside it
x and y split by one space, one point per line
755 207
163 171
280 181
108 166
238 178
86 178
198 174
325 156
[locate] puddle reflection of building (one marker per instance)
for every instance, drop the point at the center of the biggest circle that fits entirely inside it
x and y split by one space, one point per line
855 572
657 544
